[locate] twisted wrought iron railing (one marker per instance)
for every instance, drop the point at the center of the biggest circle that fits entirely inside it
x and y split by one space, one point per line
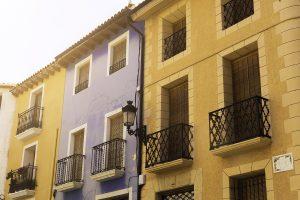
235 11
69 169
108 156
169 144
31 118
117 66
81 86
22 179
174 44
241 121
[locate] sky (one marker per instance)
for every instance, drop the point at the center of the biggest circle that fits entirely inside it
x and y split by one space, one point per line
33 32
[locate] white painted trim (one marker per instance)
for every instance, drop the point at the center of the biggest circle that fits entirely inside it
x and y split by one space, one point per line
124 36
117 193
107 117
34 91
28 146
73 131
78 66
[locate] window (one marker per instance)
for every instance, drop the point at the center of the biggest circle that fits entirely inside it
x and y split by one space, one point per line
118 53
248 187
174 34
235 11
77 142
29 155
178 194
82 75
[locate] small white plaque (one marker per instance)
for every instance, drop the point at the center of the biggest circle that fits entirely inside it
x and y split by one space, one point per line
283 163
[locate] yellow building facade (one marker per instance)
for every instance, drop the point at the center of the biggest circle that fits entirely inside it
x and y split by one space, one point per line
227 85
35 133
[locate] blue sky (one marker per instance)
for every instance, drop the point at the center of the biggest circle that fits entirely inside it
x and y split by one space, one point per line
33 32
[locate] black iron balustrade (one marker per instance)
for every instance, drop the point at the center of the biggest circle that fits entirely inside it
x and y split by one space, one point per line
235 11
108 156
174 44
238 122
169 144
81 86
69 169
117 66
23 178
31 118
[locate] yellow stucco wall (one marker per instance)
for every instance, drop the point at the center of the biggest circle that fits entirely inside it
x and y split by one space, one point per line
51 123
275 27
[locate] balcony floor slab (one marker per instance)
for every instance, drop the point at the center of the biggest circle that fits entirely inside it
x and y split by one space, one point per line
69 186
108 175
179 163
21 194
229 150
29 133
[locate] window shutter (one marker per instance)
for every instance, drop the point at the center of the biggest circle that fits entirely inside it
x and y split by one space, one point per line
116 127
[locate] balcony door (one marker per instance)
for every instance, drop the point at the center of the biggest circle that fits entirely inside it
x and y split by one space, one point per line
116 132
29 155
246 84
178 114
78 142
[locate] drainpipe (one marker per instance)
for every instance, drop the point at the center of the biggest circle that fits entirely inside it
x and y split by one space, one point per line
141 101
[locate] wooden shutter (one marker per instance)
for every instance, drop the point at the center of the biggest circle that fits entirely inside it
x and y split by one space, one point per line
116 127
246 77
119 52
179 108
0 101
84 73
38 100
78 142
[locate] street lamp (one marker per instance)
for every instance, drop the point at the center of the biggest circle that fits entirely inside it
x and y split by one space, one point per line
129 115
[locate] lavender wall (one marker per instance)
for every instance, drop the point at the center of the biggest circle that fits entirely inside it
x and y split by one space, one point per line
105 94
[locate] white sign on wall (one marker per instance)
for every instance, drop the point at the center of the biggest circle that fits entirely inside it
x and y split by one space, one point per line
283 163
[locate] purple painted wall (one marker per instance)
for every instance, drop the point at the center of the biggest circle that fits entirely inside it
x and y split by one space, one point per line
105 94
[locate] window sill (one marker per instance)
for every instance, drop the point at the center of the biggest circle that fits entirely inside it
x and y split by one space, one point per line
229 150
179 163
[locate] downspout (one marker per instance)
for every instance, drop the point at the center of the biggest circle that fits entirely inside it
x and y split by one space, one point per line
52 192
141 101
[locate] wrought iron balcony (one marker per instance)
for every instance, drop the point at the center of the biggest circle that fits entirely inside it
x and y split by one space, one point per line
117 66
235 11
23 178
108 156
31 118
239 122
169 144
174 44
81 86
69 169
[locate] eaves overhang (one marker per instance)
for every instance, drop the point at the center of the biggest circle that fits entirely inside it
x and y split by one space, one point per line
101 33
147 8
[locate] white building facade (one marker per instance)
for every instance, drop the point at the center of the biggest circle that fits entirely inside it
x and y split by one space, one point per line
7 109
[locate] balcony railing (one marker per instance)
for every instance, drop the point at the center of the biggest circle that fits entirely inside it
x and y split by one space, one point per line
108 156
81 86
31 118
117 66
169 144
69 169
235 11
174 44
241 121
22 179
